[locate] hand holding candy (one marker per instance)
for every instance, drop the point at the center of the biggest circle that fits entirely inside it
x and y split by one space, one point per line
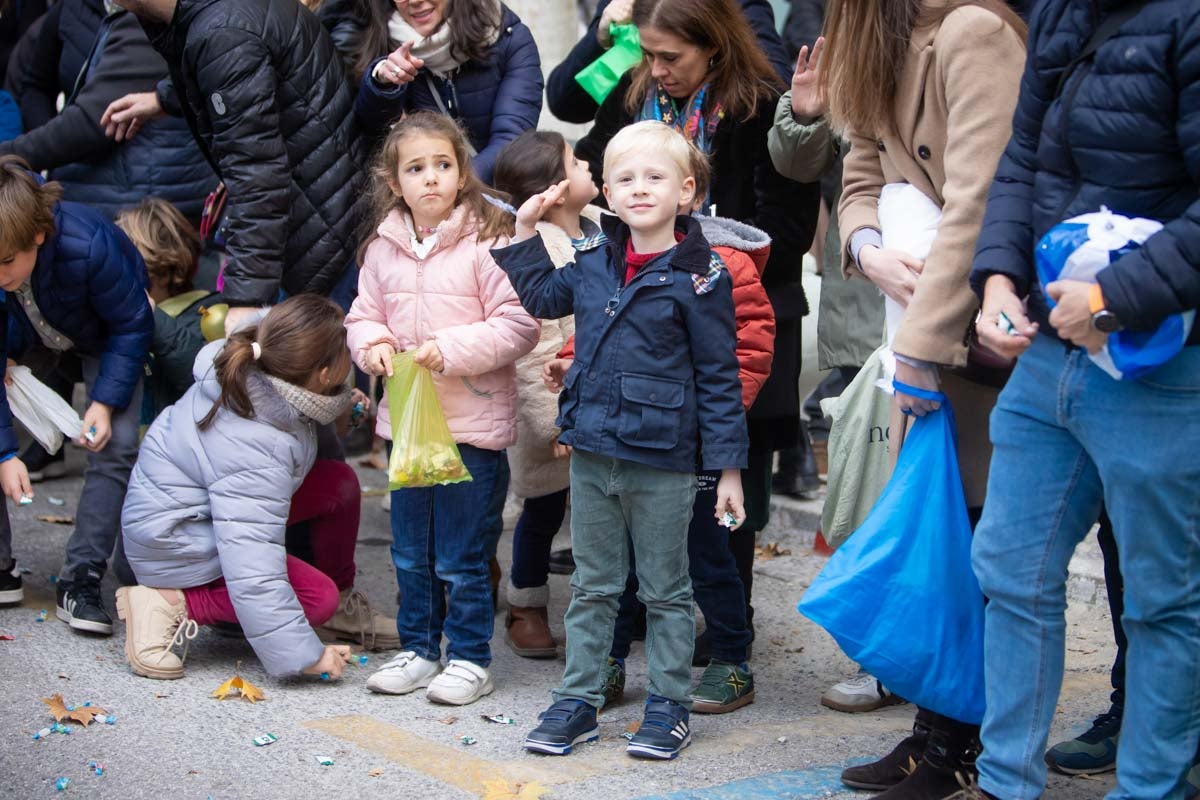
97 427
730 500
14 480
332 660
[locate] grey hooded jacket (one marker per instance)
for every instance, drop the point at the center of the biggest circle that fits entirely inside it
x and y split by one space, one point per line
207 504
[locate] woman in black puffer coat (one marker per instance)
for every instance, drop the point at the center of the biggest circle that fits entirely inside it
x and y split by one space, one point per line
263 89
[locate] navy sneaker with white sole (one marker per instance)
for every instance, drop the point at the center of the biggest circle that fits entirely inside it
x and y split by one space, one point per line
664 731
563 725
79 603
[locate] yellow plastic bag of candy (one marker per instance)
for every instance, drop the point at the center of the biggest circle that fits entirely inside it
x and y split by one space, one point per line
423 451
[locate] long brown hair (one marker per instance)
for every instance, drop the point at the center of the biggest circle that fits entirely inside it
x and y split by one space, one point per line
492 221
530 163
169 244
741 74
866 45
297 338
471 22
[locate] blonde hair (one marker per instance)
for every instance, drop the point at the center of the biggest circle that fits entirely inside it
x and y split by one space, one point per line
168 243
493 221
26 206
646 137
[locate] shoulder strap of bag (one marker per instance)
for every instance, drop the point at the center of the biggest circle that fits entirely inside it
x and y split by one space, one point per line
441 104
1107 28
96 53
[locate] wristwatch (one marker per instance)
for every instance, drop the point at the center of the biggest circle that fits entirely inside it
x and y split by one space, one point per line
1103 320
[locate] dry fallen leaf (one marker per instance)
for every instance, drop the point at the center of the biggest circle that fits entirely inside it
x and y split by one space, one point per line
55 519
160 695
375 773
81 714
634 726
237 685
770 550
64 676
500 789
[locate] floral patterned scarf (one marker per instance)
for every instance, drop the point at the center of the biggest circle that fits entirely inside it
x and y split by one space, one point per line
696 126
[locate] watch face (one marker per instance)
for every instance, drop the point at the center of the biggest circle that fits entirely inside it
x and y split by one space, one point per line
1105 322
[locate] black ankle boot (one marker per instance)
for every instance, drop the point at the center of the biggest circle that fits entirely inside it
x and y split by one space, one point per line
948 766
896 765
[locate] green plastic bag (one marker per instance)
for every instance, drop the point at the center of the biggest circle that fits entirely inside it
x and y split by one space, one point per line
423 450
600 77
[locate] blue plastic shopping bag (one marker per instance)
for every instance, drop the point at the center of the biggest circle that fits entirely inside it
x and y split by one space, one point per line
1082 246
900 596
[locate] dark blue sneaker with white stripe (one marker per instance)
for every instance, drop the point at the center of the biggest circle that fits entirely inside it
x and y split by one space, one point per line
664 730
564 725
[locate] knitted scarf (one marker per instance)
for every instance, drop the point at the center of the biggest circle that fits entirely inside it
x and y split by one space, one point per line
320 408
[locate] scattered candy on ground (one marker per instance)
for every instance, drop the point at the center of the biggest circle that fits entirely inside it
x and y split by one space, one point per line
265 739
468 740
499 719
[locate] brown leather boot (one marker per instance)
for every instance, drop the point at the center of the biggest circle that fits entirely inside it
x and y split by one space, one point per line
527 625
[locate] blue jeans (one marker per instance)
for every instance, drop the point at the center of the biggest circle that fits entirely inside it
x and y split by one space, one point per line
715 583
540 519
1067 439
441 543
614 504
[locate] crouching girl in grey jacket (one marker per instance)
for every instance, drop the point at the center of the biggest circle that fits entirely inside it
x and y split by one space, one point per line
211 493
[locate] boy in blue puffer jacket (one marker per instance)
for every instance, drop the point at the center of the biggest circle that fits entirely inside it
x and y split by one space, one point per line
75 283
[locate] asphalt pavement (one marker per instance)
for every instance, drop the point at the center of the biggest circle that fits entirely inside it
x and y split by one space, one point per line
172 739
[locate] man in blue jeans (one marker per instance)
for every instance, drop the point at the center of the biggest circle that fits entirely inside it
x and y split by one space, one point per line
1109 114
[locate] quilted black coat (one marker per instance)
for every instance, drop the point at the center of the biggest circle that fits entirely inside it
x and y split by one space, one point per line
1122 131
264 92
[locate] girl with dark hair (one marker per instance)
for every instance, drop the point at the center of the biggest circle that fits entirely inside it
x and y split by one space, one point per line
471 60
925 90
540 465
705 74
429 284
219 477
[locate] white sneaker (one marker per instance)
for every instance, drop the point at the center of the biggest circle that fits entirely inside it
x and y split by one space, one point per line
405 673
861 693
459 684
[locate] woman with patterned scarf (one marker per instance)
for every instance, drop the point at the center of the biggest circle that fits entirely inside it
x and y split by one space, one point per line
704 73
472 60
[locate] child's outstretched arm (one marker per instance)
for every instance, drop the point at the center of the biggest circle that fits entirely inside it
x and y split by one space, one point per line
250 509
545 292
117 294
722 420
506 333
367 333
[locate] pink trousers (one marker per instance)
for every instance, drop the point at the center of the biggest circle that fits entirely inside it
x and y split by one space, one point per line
329 500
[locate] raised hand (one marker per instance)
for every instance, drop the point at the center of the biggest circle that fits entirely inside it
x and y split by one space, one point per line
533 209
618 12
808 100
399 68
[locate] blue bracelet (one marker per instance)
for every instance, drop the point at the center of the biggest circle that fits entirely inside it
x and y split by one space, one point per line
924 394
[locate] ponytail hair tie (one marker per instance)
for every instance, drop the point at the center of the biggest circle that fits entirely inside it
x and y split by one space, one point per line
256 350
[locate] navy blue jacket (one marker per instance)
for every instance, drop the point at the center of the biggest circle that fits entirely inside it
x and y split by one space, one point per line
89 283
655 377
569 102
496 101
1125 133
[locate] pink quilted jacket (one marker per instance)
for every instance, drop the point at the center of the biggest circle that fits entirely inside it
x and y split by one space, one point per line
457 296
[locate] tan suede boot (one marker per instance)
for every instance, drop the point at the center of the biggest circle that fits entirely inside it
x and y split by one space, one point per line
355 621
152 627
527 625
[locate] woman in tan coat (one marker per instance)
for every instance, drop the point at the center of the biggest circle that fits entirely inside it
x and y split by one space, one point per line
925 91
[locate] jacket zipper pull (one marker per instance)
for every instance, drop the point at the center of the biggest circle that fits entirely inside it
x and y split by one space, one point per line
610 308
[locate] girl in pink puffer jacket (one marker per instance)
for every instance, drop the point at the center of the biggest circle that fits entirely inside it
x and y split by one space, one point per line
429 284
